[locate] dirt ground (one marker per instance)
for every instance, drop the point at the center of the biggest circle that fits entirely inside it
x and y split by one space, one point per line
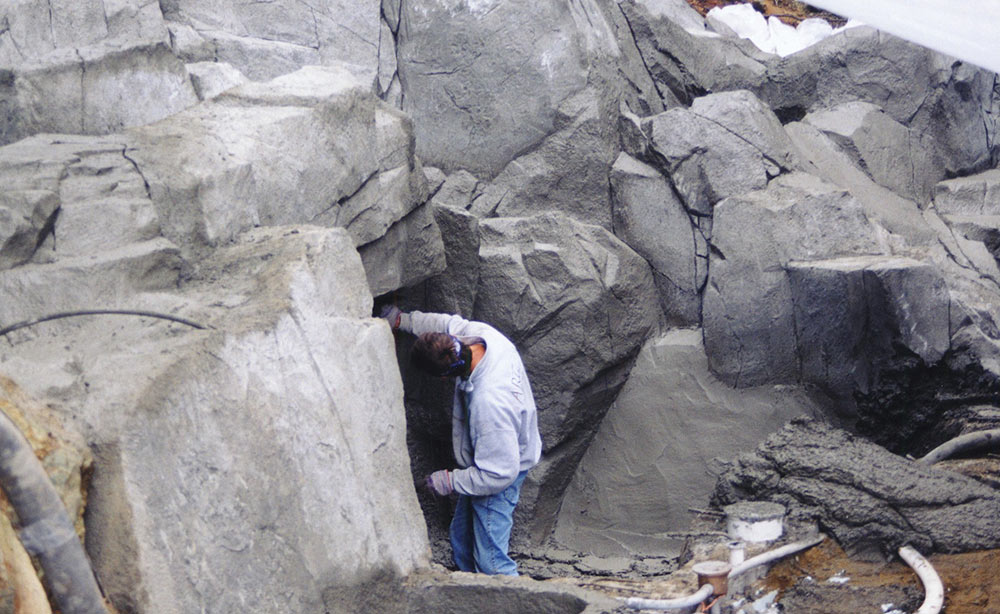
971 581
788 11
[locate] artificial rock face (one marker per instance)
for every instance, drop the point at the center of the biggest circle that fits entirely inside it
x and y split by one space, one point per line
671 426
748 312
578 303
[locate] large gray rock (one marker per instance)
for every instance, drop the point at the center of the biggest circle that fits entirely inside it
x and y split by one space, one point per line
278 435
944 101
854 314
266 40
893 155
898 215
578 303
567 171
484 81
973 195
650 218
107 280
652 457
410 252
33 28
748 309
870 500
98 89
724 145
314 146
24 217
685 59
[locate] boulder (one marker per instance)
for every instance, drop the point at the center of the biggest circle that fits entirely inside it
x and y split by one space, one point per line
869 500
276 435
484 82
212 78
853 314
98 89
578 304
687 60
409 252
974 195
893 155
305 147
748 312
669 429
724 145
567 171
946 102
266 40
649 217
36 29
901 217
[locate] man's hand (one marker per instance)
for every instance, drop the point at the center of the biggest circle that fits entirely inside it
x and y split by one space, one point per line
392 315
440 483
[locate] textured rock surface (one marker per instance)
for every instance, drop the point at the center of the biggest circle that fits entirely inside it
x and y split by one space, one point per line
650 218
974 195
657 449
781 203
94 90
870 500
890 153
267 39
851 314
578 303
937 98
748 310
243 443
484 81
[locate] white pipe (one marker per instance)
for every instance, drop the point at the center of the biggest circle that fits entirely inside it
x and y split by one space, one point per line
933 589
773 555
679 603
737 553
706 591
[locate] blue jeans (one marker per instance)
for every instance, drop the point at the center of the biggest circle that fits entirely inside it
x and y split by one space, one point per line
480 531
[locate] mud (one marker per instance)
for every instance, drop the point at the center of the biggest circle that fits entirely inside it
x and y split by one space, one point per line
971 580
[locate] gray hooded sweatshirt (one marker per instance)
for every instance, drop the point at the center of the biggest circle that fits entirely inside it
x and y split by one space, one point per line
494 428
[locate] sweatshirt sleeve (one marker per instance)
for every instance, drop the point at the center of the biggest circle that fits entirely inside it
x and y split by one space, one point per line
496 466
418 323
496 451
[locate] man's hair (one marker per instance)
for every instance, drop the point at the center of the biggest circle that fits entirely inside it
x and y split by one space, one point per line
434 353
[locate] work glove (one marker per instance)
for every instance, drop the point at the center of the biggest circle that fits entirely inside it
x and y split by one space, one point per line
392 315
440 483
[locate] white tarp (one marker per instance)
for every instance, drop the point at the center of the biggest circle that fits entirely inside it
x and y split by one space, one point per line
964 29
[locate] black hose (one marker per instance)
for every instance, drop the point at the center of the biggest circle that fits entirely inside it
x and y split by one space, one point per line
92 312
46 530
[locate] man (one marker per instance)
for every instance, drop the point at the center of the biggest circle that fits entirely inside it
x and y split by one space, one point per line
494 431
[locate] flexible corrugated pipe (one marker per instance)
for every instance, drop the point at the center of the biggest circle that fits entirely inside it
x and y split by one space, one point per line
46 530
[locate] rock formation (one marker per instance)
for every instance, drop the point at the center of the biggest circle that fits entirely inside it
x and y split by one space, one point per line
691 241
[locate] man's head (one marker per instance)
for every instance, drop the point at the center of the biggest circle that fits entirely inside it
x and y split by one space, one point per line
441 355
